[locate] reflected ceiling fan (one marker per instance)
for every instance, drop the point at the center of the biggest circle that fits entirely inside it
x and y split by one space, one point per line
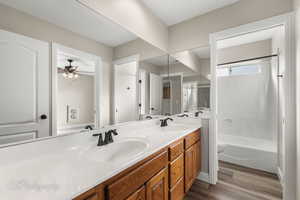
69 72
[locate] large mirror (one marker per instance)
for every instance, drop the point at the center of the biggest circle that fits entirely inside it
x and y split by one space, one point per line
194 67
87 80
61 76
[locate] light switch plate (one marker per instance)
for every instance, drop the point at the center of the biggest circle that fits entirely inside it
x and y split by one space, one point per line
72 113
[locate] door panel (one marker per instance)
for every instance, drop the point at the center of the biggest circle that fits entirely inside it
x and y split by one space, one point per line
157 187
155 94
126 94
24 85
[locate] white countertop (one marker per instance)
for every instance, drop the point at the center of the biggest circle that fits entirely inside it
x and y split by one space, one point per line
61 168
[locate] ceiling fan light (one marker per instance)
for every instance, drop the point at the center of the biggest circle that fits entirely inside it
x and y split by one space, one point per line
70 75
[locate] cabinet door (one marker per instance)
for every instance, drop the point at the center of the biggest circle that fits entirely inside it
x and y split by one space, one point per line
138 195
189 168
157 187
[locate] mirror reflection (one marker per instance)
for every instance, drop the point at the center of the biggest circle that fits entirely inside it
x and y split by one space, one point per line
173 84
76 92
80 88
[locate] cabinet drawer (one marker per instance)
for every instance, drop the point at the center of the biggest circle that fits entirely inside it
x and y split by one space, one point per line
176 170
192 138
177 192
176 149
138 195
125 186
96 193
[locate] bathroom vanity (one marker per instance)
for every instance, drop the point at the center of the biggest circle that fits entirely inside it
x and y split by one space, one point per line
145 161
166 174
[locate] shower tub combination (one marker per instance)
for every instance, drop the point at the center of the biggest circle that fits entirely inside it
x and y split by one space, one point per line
248 152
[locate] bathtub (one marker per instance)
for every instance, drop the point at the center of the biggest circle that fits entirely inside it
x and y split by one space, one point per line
248 152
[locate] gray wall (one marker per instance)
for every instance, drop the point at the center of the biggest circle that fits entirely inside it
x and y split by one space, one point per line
195 32
245 51
79 94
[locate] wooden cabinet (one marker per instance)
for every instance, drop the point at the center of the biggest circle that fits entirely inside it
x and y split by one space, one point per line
130 182
158 187
189 168
165 175
96 193
192 160
176 149
177 192
192 138
176 170
198 157
138 195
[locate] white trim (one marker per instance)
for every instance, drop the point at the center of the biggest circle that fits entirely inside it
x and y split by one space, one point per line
289 171
280 176
74 126
98 82
133 58
128 59
203 176
171 74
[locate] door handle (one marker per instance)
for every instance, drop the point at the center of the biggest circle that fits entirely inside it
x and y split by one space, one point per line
43 117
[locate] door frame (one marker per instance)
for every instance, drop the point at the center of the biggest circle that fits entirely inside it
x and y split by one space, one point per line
98 82
289 182
133 58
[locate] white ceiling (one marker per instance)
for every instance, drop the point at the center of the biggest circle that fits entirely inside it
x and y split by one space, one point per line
250 37
161 61
69 14
175 11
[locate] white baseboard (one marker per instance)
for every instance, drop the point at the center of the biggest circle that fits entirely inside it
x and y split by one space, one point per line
204 177
280 176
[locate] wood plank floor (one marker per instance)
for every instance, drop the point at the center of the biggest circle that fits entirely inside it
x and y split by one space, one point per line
238 183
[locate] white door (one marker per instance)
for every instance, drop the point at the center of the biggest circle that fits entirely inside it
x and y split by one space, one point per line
24 88
126 95
155 94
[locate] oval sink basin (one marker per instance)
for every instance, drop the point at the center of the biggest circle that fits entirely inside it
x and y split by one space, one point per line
120 151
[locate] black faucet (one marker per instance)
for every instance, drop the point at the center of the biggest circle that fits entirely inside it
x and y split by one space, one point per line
100 139
197 113
88 127
164 122
183 115
149 117
108 138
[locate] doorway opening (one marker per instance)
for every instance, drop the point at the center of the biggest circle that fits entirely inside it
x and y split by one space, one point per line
251 101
